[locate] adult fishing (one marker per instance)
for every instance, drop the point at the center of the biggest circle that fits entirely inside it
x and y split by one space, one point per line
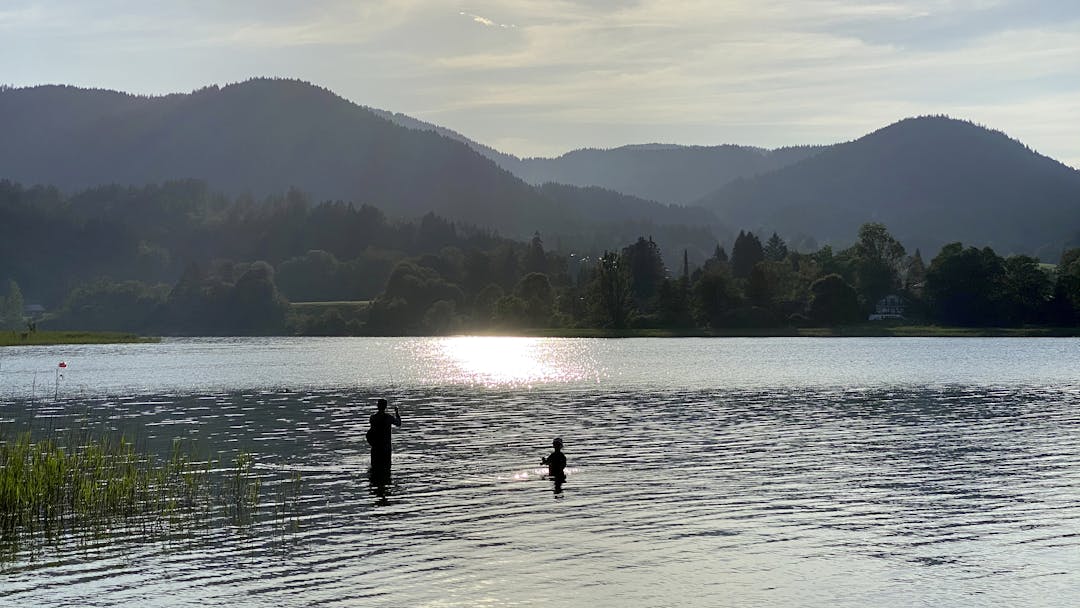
378 437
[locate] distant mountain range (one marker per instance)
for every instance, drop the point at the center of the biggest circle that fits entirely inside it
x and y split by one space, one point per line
265 136
660 172
930 180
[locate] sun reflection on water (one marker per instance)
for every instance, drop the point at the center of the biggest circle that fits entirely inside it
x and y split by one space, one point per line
497 360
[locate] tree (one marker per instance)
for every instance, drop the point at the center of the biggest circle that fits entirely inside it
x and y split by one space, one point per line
879 260
1068 281
833 301
505 266
964 286
610 292
714 297
313 277
761 287
535 291
256 305
484 303
1026 290
915 277
440 318
645 266
535 258
572 307
746 252
434 233
776 249
410 292
106 306
673 304
478 270
510 310
718 263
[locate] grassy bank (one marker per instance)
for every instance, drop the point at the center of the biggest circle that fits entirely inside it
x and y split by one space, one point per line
852 331
45 338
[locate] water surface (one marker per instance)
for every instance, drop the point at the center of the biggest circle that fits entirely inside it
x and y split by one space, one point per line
723 472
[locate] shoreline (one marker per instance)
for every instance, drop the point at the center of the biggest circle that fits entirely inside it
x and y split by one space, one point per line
60 338
855 331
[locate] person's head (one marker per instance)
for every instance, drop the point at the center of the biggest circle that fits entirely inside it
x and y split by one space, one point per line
557 443
382 405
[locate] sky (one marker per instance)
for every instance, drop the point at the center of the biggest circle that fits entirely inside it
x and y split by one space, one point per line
541 77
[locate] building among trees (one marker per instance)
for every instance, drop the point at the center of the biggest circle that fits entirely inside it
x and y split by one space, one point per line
889 307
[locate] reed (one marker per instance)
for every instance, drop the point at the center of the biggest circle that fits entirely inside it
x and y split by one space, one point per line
50 487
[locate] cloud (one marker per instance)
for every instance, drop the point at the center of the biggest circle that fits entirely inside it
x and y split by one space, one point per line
21 17
485 21
792 69
566 73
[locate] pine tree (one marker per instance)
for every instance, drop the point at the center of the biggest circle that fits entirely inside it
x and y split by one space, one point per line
776 249
535 258
745 254
916 273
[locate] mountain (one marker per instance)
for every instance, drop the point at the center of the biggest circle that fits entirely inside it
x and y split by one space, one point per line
660 172
507 161
264 136
665 173
930 180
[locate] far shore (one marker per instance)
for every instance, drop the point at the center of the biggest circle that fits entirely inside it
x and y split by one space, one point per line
852 331
52 338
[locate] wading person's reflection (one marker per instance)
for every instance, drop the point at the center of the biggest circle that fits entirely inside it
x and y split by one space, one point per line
378 436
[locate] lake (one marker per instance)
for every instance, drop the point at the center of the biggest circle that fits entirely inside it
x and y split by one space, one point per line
703 472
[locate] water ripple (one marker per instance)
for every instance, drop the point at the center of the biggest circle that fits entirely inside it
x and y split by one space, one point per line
935 496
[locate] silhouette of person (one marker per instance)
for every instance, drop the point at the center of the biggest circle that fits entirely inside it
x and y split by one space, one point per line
556 462
379 438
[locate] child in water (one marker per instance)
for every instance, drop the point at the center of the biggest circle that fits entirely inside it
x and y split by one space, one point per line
556 461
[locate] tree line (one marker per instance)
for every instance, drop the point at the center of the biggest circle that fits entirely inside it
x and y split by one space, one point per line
177 260
757 285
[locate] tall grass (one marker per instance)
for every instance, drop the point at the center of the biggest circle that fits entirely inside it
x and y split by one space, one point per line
49 488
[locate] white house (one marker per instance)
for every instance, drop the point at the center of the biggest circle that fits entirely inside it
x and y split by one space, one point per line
889 307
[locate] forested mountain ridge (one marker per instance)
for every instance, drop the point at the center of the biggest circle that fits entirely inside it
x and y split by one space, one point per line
667 173
931 180
176 258
507 161
264 136
660 172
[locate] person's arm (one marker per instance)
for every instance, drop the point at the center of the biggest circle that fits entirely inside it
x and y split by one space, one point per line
397 417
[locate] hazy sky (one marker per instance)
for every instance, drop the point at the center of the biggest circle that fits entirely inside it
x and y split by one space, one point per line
540 77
